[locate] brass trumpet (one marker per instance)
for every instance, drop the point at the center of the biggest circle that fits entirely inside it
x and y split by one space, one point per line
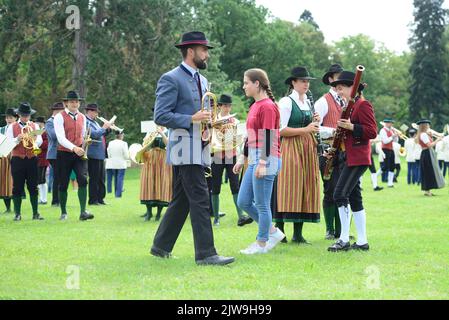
113 126
397 131
147 142
87 141
434 133
29 139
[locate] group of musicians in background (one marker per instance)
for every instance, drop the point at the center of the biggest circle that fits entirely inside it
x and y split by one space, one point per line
70 141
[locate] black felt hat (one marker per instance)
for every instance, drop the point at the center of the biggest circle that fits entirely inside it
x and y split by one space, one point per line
9 112
25 109
72 95
347 78
40 119
57 106
225 99
423 121
194 38
298 73
92 106
335 68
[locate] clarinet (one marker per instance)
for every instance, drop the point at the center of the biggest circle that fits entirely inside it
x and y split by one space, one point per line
320 146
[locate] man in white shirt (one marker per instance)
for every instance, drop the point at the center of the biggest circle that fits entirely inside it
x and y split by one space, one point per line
388 136
70 126
329 107
410 146
116 163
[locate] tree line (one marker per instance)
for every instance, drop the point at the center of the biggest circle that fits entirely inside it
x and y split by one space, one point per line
124 46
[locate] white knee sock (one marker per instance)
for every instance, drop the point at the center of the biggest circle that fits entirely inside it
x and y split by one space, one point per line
345 218
374 180
44 192
360 224
390 178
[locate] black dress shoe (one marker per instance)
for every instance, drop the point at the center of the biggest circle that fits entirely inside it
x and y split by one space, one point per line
86 216
378 188
244 220
148 217
37 217
144 215
339 246
300 240
102 203
221 214
160 253
18 217
363 247
63 216
215 260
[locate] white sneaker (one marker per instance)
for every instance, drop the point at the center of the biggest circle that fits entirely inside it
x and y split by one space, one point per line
254 248
274 239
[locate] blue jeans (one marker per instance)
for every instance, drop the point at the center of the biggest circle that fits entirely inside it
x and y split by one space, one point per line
119 176
255 196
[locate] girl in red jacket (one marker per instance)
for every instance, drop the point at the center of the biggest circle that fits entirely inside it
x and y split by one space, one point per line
359 129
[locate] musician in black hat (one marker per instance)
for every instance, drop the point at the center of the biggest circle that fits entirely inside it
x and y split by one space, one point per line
5 163
225 160
70 127
388 136
330 107
52 151
431 175
178 107
24 160
96 155
42 163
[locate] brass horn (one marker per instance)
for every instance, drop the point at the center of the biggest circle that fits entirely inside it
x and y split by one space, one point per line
29 139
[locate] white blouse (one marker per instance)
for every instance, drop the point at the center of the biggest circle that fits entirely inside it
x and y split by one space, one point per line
285 107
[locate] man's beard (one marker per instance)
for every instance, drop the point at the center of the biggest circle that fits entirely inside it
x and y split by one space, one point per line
200 64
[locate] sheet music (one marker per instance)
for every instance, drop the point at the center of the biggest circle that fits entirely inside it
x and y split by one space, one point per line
6 145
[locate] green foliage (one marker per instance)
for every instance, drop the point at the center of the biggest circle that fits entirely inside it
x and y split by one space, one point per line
428 93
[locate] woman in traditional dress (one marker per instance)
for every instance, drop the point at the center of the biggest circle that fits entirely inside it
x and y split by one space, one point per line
431 176
5 164
298 186
156 177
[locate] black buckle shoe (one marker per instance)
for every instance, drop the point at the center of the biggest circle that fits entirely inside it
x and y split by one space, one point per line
301 240
339 246
244 220
18 217
215 260
148 217
37 217
86 216
363 247
63 216
378 188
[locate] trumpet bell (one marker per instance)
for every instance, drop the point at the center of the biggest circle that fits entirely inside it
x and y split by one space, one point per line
133 151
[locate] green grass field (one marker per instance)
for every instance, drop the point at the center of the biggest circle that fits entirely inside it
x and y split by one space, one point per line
407 232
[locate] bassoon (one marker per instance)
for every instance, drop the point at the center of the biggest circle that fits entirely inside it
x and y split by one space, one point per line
332 152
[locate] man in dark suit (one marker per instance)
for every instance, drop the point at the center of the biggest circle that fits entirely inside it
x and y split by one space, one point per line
96 155
178 102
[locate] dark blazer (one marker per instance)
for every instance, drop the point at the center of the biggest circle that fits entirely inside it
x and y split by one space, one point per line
357 143
96 149
52 139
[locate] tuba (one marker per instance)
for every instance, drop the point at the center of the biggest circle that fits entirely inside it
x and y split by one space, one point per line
29 139
147 142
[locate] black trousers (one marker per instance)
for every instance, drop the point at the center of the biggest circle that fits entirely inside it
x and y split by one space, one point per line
190 194
389 160
55 187
217 175
41 173
24 171
372 167
348 190
97 186
68 161
329 185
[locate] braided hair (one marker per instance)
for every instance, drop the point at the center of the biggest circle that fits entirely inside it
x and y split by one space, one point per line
261 76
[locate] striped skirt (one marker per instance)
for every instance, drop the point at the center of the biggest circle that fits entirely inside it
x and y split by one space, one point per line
5 178
156 179
298 185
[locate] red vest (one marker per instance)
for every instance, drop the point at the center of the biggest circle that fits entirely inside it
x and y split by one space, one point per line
20 151
422 144
333 113
73 130
388 146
